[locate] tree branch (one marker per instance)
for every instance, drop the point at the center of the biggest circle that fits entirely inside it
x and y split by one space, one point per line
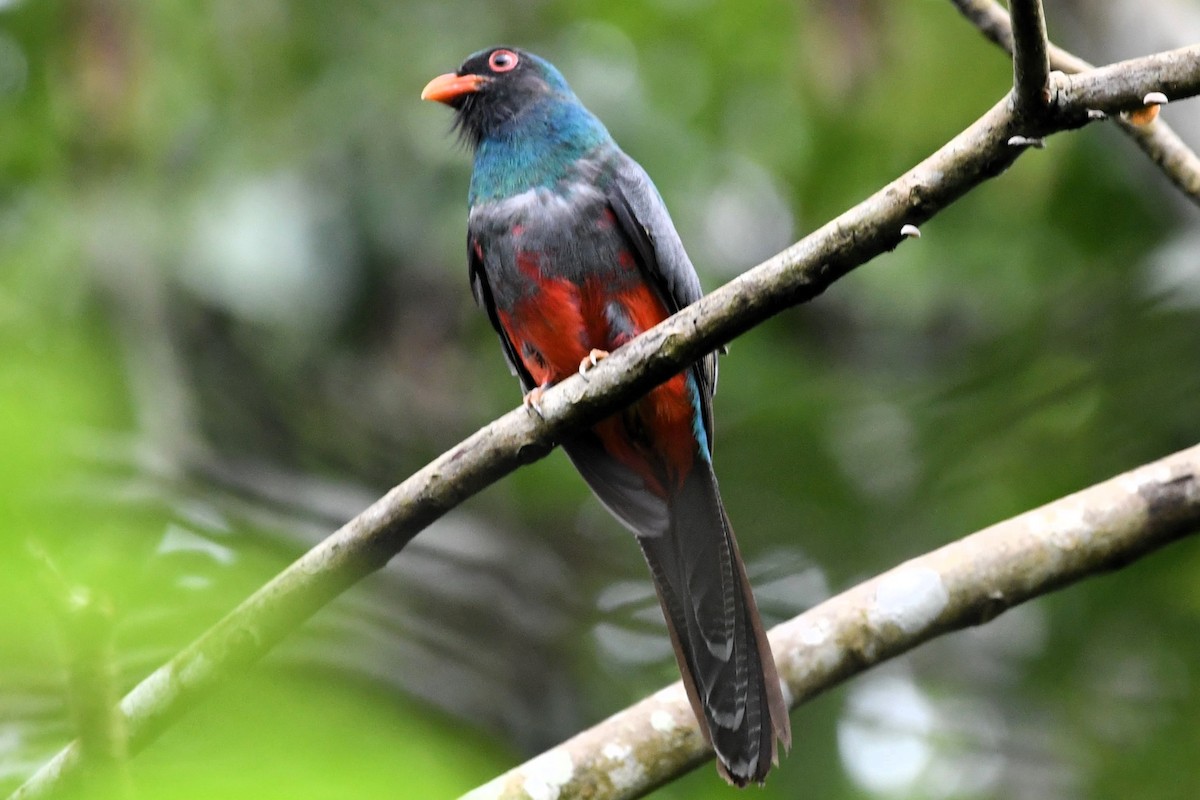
86 619
799 273
994 23
1157 140
1031 63
1122 86
1170 154
965 583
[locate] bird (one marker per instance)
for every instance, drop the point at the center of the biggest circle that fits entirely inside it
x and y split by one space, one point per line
572 253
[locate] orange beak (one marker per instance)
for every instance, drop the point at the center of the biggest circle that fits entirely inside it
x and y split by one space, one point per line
444 88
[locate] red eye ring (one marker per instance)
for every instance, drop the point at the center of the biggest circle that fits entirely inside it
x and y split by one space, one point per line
503 60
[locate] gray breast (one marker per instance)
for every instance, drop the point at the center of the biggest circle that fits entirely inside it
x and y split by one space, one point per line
545 233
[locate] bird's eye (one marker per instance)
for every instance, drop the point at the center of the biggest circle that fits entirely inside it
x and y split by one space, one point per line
502 60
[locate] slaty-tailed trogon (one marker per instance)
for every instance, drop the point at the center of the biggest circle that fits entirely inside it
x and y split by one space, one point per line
572 253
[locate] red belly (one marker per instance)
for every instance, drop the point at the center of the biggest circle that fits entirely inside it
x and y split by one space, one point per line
556 329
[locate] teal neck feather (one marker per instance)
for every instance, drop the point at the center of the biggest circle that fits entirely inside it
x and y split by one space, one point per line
539 148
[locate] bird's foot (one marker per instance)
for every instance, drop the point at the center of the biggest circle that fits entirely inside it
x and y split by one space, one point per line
533 399
591 360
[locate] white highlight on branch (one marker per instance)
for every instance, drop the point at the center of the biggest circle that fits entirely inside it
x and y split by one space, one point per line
1027 141
815 634
909 598
819 651
1065 525
627 772
662 721
1149 475
547 774
160 689
671 694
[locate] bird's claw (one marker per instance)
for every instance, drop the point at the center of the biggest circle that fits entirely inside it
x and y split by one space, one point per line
533 400
591 360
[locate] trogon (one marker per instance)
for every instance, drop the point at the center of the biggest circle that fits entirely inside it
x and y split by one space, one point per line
572 253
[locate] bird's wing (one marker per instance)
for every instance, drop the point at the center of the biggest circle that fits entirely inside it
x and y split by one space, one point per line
483 296
643 216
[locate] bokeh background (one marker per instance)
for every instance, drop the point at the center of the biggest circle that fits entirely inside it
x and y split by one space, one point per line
234 310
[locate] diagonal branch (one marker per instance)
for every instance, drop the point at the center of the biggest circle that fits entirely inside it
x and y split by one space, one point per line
1031 62
799 273
994 23
1157 140
965 583
1169 153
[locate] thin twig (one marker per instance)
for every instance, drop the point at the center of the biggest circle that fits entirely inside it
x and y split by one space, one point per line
86 620
1178 162
965 583
364 544
92 678
1171 154
1031 62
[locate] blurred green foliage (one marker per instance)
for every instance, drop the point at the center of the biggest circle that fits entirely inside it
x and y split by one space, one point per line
233 308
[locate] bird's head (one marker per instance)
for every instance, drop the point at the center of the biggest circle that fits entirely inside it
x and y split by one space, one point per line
494 87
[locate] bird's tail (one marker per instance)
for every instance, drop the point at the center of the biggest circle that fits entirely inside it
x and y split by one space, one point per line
719 642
